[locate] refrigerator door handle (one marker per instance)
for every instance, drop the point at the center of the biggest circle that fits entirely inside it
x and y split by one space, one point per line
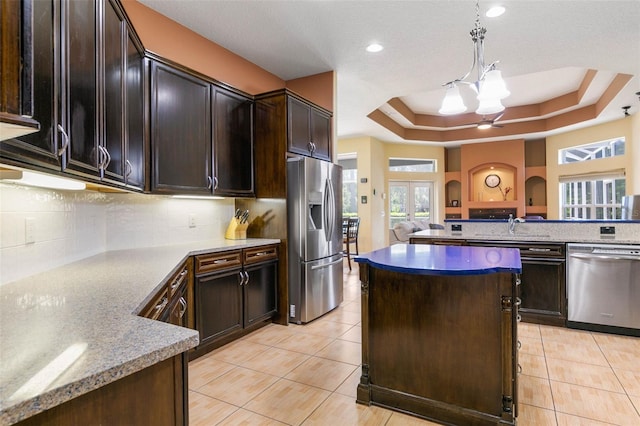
327 210
326 264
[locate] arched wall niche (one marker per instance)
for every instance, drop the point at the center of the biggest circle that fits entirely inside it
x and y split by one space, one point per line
506 189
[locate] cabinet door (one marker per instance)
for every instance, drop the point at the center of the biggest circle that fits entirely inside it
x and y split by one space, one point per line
321 134
136 119
180 132
114 80
218 305
40 148
233 144
79 66
299 125
543 291
260 295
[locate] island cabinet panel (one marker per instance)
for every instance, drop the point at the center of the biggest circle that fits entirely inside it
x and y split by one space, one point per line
440 347
155 395
180 132
235 293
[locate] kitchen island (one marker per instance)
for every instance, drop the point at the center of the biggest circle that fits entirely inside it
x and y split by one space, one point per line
439 332
71 337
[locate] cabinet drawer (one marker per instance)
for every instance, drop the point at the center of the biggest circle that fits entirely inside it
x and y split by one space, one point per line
179 279
158 306
260 254
218 261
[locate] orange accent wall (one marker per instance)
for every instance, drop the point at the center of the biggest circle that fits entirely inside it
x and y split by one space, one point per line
173 41
476 159
315 88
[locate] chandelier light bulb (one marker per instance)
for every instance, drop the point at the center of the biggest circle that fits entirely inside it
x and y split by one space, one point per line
452 102
489 106
493 86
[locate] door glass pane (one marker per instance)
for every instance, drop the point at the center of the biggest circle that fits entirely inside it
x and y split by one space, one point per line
421 197
397 203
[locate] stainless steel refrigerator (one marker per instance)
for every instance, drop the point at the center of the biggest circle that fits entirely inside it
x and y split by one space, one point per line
314 225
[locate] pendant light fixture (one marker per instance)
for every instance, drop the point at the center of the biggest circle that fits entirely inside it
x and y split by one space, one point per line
489 86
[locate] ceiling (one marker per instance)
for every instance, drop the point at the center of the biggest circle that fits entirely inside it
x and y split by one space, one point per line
568 64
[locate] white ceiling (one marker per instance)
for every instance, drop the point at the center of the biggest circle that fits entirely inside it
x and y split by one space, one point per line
544 48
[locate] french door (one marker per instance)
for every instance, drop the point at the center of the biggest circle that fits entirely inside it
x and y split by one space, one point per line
410 200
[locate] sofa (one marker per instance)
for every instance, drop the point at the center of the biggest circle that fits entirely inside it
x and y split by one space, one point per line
401 230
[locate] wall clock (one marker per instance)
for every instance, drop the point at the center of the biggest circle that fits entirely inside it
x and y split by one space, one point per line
492 180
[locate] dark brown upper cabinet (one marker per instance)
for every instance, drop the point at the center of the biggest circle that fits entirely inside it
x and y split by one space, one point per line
16 78
201 135
232 144
309 129
286 125
88 94
180 132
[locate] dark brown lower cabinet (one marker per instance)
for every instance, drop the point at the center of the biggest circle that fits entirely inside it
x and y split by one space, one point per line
235 293
440 347
155 395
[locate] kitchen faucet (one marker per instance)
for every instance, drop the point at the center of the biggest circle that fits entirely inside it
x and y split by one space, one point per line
512 225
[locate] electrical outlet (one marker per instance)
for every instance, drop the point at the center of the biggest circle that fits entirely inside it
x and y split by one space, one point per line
29 230
192 220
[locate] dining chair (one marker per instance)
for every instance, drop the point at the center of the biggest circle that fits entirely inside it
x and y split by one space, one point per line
350 236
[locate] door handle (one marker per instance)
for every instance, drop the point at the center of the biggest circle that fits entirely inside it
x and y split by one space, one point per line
313 268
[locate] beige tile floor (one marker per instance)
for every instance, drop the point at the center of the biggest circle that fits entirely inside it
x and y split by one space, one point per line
307 375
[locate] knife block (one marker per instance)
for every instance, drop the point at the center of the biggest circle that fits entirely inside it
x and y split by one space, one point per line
236 230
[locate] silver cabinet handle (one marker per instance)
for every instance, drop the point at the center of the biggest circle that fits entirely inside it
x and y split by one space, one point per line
241 278
65 145
246 275
101 157
106 151
162 304
209 182
215 183
179 280
219 261
184 307
128 168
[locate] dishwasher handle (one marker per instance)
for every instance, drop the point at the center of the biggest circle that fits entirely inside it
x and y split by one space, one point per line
604 257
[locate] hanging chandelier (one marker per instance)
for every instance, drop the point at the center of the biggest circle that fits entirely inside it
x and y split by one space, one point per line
489 86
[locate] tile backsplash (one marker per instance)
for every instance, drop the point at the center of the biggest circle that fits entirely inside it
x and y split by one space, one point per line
67 226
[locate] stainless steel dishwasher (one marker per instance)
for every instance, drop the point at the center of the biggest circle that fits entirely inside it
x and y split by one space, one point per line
603 287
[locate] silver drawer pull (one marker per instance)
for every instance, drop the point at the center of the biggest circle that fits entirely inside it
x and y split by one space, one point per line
179 280
162 304
219 261
539 249
184 307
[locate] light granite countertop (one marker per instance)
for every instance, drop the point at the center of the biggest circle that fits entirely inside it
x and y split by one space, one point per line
625 232
68 331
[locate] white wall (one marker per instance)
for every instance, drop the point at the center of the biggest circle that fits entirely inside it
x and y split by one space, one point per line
73 225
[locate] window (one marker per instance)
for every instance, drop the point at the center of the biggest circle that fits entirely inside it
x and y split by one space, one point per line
598 197
349 186
592 151
411 165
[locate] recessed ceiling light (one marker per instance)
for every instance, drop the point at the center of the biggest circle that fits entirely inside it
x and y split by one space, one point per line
374 48
495 11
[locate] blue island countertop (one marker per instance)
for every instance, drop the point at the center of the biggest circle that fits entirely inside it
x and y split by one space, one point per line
425 259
